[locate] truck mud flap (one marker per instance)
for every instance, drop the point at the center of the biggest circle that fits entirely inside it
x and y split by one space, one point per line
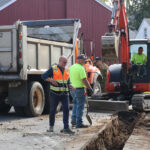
18 94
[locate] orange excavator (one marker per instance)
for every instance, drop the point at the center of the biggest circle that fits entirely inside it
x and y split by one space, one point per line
125 81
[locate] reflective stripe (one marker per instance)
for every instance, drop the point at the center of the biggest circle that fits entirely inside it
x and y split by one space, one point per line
62 80
55 68
143 58
62 89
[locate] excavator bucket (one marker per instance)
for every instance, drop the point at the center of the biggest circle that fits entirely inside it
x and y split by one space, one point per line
110 44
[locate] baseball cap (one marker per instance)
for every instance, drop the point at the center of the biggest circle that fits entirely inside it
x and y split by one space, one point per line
81 56
98 58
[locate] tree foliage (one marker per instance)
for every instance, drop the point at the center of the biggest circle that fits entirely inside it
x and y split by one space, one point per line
136 11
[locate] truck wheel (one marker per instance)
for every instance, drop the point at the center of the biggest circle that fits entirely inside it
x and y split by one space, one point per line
97 89
36 100
4 108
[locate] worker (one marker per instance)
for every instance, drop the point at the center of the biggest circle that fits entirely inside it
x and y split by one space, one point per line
58 76
103 68
79 80
139 58
138 67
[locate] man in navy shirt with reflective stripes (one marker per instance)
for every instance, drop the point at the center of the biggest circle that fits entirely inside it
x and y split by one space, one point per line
58 77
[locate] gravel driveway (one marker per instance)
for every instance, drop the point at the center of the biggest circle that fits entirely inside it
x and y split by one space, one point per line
30 133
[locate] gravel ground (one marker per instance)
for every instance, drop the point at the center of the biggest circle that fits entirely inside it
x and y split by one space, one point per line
30 133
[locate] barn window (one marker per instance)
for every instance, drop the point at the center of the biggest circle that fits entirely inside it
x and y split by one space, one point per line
5 3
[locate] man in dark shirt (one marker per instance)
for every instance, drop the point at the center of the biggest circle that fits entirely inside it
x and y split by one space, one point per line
103 68
58 77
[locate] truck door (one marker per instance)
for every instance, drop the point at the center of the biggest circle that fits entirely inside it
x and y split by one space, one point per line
8 49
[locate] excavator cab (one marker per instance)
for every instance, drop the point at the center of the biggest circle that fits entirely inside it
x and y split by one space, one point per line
140 73
137 69
140 76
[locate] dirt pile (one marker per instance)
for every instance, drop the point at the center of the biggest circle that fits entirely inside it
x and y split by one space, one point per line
114 135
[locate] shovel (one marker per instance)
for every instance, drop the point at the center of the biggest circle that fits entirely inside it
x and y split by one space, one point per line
87 116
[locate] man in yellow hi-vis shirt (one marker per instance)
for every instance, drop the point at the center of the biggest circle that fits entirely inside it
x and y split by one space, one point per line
139 64
139 58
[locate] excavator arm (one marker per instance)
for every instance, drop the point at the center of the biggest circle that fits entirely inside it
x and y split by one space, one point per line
116 42
117 37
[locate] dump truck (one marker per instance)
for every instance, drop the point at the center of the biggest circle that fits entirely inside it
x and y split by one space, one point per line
27 50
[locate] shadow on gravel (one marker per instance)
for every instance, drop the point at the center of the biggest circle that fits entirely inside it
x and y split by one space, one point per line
10 117
114 135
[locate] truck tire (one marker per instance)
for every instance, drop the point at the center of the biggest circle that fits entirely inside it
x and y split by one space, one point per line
4 108
36 100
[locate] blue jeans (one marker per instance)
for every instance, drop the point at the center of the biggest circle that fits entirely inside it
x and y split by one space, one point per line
54 100
78 106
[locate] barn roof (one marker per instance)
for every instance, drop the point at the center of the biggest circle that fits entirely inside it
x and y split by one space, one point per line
5 3
104 4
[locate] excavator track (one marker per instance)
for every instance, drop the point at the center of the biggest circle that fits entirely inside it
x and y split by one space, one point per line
141 102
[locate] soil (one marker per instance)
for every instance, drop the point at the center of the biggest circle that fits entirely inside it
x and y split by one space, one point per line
115 134
126 121
140 138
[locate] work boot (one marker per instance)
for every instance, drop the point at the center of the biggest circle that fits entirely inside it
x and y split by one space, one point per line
67 131
82 126
51 129
73 123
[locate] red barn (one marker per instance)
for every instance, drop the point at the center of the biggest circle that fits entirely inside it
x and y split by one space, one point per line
94 15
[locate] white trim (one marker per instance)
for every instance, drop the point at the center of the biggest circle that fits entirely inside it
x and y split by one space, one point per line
141 26
104 4
7 4
147 20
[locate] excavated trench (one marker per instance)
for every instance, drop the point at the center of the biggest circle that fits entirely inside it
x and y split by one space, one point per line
114 135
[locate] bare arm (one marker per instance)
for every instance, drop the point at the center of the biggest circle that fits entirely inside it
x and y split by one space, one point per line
72 87
86 83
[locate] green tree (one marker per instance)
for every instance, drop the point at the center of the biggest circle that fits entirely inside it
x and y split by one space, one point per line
136 11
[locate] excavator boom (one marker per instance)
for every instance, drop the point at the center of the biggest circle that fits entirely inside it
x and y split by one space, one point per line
117 37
